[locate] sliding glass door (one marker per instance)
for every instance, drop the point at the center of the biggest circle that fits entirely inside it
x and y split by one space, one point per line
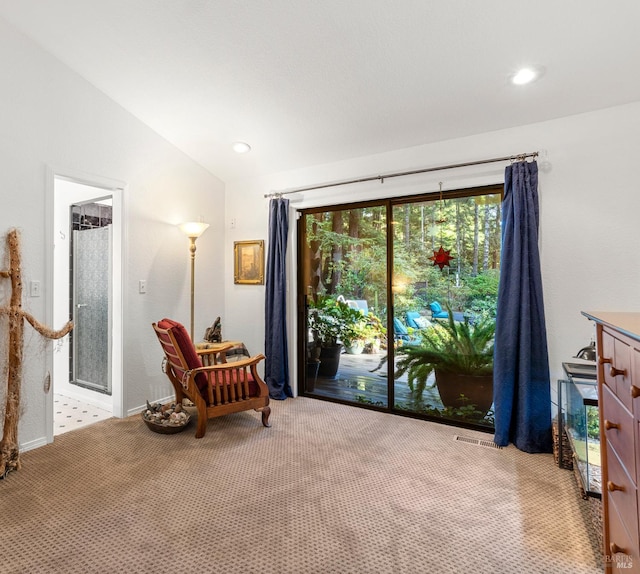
382 282
344 276
446 254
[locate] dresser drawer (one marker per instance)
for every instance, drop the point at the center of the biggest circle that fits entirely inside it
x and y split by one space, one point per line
622 553
635 382
622 492
616 356
618 428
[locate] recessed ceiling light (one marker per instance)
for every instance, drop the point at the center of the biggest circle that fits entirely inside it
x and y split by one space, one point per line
241 147
524 76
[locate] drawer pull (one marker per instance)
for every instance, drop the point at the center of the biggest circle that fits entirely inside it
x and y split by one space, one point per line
611 486
635 392
604 360
615 549
608 425
615 372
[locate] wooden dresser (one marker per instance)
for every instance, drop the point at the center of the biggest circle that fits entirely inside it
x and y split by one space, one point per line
618 347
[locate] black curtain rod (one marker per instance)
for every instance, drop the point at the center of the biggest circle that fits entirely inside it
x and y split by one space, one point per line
381 178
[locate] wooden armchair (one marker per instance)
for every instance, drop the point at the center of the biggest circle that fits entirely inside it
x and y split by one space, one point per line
217 389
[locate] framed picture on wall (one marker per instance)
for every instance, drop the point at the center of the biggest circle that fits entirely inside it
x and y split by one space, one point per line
248 262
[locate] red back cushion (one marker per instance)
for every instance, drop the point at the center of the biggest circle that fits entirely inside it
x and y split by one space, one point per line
183 340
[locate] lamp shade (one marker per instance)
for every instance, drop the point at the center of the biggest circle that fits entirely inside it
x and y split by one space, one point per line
193 228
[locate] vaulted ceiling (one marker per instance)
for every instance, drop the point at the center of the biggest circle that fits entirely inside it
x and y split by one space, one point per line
306 82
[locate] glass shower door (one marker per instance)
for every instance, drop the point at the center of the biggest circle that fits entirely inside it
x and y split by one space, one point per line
91 272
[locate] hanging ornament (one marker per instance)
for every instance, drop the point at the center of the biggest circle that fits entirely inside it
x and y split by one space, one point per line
441 257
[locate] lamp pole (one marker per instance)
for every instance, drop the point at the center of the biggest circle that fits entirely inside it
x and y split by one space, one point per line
192 249
193 230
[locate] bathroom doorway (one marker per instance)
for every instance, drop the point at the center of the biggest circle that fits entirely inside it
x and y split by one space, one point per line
87 290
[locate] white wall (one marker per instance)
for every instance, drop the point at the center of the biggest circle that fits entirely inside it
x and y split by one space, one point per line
53 119
590 204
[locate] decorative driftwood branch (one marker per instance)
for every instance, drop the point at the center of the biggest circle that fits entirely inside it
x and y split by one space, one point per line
9 451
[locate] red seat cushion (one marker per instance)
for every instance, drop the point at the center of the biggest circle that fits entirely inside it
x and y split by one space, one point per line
233 376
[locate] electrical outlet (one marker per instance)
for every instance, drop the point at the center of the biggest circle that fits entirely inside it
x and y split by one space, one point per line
142 286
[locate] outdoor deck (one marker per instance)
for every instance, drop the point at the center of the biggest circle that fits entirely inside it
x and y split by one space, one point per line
356 383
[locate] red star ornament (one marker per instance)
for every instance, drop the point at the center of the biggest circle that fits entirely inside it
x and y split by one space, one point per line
441 257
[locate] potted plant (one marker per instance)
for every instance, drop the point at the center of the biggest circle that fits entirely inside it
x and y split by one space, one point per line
355 338
461 355
367 332
331 322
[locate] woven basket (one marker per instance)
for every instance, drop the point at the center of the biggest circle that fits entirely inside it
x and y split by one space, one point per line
595 512
567 454
165 429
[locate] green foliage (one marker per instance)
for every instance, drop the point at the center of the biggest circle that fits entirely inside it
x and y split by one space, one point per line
367 401
458 347
482 293
589 427
331 320
467 414
593 424
348 254
367 328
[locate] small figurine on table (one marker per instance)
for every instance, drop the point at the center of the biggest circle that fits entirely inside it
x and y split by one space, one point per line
213 334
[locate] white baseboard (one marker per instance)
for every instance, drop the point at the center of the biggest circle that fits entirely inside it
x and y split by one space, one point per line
37 443
138 410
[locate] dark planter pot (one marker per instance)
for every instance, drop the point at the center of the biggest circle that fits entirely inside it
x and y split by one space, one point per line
312 374
477 390
329 361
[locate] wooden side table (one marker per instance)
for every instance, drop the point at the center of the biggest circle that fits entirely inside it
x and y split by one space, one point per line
214 353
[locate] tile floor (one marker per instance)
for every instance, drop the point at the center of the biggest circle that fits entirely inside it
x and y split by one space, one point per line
71 414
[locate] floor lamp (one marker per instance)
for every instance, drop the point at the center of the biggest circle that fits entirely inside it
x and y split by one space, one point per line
193 230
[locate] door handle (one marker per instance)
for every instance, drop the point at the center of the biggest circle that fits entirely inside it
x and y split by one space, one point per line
78 305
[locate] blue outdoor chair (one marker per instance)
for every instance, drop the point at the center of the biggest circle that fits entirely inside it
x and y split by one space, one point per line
417 321
359 304
437 312
401 333
399 330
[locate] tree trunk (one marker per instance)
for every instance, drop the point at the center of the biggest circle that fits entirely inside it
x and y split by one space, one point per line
331 271
459 238
487 238
407 227
476 234
497 234
9 453
9 450
355 215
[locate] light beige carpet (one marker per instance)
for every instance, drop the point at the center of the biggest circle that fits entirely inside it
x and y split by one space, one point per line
328 489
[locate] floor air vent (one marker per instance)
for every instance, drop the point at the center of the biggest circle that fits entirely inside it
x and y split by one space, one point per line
477 442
